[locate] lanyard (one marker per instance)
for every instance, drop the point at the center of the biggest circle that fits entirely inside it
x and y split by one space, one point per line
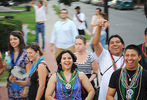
12 60
114 63
33 68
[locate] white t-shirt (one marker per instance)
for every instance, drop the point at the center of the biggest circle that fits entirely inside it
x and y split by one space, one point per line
40 13
78 24
105 62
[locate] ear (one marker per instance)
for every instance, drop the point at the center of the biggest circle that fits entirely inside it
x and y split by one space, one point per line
139 58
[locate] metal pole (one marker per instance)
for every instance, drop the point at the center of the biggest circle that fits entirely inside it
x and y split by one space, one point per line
106 11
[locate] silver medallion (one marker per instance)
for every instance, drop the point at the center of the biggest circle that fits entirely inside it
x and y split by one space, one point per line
129 93
68 86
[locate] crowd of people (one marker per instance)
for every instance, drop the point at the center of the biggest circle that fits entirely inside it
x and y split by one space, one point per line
123 70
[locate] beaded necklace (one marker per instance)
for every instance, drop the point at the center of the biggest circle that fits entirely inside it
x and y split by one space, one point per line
67 84
114 63
127 89
144 52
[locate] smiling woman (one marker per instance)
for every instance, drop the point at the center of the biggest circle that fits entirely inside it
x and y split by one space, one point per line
68 81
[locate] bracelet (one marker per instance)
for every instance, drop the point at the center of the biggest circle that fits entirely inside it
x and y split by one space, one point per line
88 98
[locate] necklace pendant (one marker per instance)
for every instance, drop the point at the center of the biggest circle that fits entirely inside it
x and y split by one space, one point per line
129 94
68 86
130 79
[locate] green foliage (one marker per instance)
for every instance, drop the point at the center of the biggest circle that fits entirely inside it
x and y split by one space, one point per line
4 76
66 2
31 38
56 9
7 26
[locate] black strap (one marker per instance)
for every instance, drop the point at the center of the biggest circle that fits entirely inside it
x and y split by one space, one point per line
109 67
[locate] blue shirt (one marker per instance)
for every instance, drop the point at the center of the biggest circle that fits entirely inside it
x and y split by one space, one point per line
64 33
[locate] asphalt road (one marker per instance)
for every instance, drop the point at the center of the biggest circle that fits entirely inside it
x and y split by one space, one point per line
130 24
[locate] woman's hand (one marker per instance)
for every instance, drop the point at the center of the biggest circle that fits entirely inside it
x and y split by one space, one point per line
12 79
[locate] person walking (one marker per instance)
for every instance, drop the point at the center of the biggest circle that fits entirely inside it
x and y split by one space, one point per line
129 82
95 19
40 19
68 80
109 60
143 48
79 20
64 33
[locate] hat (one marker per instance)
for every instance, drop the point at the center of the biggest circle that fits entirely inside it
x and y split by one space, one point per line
78 7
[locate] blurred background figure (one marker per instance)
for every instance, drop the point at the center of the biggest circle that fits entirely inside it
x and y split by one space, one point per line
68 81
79 20
40 19
64 33
93 27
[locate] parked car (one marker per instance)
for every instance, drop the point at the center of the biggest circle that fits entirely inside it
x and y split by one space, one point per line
122 4
8 3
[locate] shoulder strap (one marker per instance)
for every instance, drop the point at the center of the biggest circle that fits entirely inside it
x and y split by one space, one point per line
45 66
109 67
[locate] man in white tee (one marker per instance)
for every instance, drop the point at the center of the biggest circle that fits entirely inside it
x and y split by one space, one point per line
109 60
40 20
79 20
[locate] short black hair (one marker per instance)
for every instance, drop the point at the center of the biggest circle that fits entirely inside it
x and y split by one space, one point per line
41 2
134 47
59 57
77 7
116 36
64 10
99 9
145 32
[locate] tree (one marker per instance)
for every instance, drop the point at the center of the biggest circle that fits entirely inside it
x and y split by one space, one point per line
65 2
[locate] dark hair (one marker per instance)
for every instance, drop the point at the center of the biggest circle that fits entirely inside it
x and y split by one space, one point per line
77 7
99 9
21 45
104 15
145 32
82 37
35 47
134 47
64 10
116 36
41 2
59 57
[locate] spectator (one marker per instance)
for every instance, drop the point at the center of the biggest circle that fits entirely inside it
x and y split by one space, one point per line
109 61
18 57
79 20
64 33
143 48
85 61
95 19
40 19
130 81
68 81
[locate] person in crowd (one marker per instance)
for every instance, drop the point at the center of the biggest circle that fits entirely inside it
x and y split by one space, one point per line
109 60
38 73
79 20
129 82
143 48
85 61
64 33
1 64
96 18
18 57
40 19
68 80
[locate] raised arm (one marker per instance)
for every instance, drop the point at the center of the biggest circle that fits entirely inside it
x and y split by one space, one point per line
87 85
45 3
96 39
50 88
